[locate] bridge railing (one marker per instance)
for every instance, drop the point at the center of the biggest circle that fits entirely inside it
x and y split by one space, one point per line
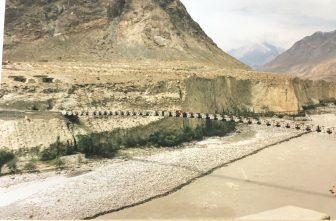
286 124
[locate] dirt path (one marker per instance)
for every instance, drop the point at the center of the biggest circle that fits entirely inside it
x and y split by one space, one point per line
299 172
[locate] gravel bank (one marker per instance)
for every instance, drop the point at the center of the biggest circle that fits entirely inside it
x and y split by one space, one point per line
122 184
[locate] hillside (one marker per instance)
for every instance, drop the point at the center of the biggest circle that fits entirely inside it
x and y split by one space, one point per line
107 30
313 57
256 55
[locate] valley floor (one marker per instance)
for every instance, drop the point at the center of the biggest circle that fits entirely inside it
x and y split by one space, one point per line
299 172
123 183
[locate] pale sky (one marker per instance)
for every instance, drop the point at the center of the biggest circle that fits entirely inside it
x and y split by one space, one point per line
235 23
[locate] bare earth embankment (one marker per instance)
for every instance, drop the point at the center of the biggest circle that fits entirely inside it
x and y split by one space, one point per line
299 172
123 183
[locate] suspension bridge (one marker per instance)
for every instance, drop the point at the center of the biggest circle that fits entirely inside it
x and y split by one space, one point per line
279 123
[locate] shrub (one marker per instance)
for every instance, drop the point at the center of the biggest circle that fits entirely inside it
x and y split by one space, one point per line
30 166
60 164
322 103
48 154
73 119
5 157
108 143
35 151
98 145
12 165
218 128
55 150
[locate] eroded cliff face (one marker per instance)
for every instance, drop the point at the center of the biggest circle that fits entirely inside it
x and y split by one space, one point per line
217 95
227 94
35 132
311 92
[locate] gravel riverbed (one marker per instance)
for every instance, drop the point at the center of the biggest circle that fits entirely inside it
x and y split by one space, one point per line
118 184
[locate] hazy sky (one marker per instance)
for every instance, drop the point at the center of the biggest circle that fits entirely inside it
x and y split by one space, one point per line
234 23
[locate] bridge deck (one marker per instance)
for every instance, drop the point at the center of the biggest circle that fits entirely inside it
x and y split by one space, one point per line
216 117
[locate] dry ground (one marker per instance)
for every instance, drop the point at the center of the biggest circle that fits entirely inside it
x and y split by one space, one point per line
122 72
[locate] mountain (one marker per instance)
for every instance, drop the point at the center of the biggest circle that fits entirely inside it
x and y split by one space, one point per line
256 55
313 57
107 30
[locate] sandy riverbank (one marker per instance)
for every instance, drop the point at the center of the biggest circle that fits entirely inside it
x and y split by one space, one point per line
125 183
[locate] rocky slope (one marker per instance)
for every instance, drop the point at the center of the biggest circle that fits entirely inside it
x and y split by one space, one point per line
313 57
107 30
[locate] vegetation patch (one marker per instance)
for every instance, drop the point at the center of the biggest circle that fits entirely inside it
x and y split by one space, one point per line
107 144
322 103
56 150
166 133
30 166
245 112
18 78
73 119
5 157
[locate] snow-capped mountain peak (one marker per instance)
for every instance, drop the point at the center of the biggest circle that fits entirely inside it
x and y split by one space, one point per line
256 55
